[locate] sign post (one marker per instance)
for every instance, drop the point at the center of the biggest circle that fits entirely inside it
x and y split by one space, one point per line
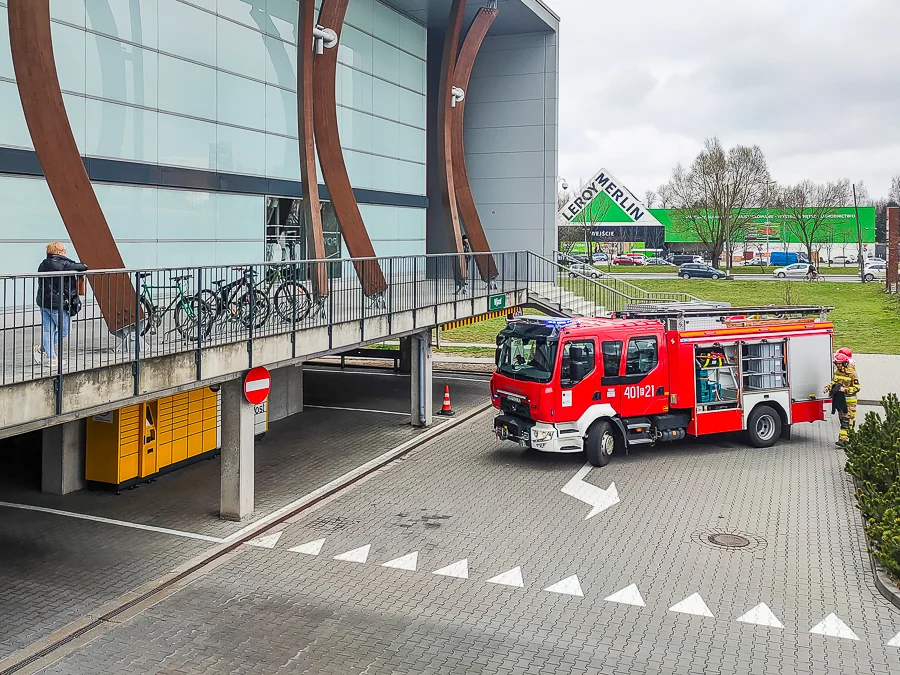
256 385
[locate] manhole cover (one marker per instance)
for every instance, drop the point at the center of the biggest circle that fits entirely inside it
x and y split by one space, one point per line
729 540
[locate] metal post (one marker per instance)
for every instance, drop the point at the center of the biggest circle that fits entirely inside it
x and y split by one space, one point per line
252 293
136 364
59 338
390 293
859 245
197 305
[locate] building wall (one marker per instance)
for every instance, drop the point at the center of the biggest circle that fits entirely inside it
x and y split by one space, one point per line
209 86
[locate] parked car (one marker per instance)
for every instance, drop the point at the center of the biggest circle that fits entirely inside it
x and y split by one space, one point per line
600 257
699 271
637 258
657 261
756 262
624 260
875 271
795 271
873 259
843 260
682 258
584 269
783 259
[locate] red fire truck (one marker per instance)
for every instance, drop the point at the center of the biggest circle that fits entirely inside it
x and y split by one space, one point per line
657 374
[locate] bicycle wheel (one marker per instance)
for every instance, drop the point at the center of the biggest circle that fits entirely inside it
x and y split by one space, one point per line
149 319
215 305
241 306
292 300
190 312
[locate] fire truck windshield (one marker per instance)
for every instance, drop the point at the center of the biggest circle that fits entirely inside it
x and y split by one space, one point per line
527 358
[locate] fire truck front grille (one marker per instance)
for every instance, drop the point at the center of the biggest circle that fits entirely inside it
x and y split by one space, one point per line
515 408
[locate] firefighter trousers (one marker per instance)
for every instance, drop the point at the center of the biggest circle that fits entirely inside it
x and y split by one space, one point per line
848 419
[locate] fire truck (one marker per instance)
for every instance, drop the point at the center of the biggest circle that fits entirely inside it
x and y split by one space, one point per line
657 374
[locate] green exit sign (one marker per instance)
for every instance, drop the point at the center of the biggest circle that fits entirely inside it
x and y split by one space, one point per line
497 302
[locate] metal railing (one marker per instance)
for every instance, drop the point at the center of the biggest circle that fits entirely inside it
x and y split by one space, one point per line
128 316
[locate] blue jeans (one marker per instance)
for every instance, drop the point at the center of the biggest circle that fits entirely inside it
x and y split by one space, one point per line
50 339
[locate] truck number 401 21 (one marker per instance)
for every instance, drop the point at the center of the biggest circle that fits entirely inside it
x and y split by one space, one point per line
638 392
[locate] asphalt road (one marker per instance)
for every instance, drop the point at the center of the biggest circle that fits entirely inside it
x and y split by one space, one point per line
844 278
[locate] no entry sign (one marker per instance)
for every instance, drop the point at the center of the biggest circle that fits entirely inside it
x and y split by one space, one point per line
257 385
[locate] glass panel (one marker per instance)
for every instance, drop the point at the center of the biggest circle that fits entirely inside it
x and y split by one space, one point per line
286 229
121 132
121 72
281 111
333 242
242 10
411 143
412 72
642 356
386 24
126 19
612 358
241 49
231 253
386 137
360 14
360 168
239 217
66 10
413 37
382 222
385 61
130 211
354 89
356 130
241 101
281 63
187 88
355 49
68 52
385 99
241 151
28 207
283 19
185 254
187 31
13 130
142 255
75 110
282 158
187 142
385 174
412 223
186 214
412 178
412 108
6 65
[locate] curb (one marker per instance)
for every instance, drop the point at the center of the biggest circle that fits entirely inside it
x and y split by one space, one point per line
883 582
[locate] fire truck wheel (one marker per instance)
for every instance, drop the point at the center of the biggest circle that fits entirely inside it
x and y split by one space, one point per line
602 441
763 426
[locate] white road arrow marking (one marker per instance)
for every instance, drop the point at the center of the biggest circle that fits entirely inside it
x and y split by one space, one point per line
628 596
597 498
266 541
762 616
568 586
459 569
309 548
833 627
407 562
359 555
895 641
692 605
511 578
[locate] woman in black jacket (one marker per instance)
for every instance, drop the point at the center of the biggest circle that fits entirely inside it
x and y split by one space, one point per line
57 296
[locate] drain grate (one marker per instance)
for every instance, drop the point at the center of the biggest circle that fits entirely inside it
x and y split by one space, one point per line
728 540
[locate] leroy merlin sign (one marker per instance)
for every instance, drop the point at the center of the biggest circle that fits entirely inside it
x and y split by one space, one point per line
606 200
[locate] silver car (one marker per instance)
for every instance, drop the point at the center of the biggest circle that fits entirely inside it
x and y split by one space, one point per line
583 269
875 271
795 271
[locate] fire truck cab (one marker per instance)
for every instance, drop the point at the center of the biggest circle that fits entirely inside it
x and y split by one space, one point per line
652 375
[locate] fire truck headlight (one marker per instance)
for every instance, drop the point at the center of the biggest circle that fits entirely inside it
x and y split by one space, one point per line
540 435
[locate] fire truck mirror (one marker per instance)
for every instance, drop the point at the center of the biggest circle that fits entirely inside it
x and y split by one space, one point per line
576 370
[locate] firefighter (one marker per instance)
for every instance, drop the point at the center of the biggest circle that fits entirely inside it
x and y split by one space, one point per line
852 363
843 389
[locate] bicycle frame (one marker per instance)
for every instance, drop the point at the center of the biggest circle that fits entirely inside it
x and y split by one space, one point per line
179 297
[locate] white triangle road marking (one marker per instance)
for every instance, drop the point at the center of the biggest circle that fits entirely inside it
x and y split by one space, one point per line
511 578
628 596
266 540
692 604
310 547
895 641
568 586
407 562
359 555
459 569
832 626
761 615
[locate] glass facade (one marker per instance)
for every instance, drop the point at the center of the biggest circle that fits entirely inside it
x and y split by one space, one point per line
210 85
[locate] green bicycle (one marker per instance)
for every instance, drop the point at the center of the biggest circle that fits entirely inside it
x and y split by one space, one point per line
189 309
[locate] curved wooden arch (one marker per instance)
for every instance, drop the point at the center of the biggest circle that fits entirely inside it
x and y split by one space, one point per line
31 44
445 132
331 158
312 208
484 18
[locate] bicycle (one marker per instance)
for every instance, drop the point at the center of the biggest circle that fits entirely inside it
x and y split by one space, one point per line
814 277
189 309
293 301
238 300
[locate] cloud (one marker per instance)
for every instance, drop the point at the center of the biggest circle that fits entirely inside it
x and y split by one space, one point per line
812 83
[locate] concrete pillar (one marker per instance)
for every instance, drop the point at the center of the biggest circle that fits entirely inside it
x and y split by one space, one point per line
420 380
236 498
286 395
62 458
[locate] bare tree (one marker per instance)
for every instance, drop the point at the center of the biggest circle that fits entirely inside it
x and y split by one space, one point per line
714 198
809 210
650 198
894 194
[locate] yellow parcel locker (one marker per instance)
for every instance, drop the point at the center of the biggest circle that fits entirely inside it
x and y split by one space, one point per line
112 449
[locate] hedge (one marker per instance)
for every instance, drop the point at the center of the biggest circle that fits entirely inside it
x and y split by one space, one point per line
873 457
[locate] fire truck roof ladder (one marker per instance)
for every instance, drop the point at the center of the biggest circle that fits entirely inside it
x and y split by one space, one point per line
679 317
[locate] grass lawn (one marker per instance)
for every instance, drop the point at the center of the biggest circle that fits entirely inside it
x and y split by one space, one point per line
866 319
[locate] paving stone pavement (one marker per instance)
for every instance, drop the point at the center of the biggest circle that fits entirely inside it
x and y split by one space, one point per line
271 610
879 375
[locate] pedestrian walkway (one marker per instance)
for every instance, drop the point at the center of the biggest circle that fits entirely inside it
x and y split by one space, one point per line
879 375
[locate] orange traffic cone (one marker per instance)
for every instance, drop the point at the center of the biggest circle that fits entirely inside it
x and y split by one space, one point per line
446 410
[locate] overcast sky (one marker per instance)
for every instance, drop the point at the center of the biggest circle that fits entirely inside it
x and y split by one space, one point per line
815 83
